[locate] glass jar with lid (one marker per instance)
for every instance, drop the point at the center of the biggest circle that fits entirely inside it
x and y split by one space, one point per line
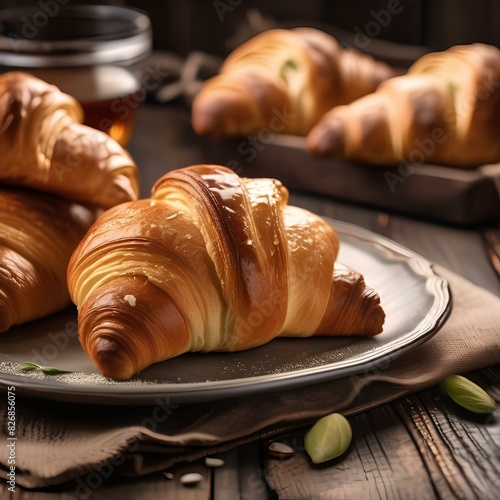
96 53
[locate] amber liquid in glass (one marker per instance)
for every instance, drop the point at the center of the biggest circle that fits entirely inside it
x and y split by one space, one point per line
109 96
115 117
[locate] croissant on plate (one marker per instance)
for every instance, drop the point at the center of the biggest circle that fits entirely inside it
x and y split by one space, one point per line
445 111
44 146
38 233
56 175
211 262
283 80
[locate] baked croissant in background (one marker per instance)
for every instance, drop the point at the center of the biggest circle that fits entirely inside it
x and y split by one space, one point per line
212 262
56 175
284 80
445 111
44 146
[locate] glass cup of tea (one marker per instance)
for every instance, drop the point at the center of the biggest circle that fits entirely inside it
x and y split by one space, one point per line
96 53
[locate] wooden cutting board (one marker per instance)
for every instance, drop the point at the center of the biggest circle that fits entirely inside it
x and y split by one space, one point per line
451 195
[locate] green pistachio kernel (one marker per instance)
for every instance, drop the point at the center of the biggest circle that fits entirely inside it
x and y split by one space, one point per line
328 438
467 394
288 65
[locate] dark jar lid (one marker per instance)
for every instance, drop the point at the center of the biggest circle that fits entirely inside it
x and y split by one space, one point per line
55 35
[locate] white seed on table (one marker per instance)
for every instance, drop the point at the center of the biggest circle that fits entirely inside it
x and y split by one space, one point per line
214 462
168 475
279 450
191 478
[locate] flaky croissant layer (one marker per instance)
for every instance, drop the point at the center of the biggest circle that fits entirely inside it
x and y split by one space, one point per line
44 146
38 234
55 166
212 262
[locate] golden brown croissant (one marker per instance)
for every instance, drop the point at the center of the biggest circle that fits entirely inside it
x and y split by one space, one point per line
283 80
44 146
54 162
212 262
38 233
445 111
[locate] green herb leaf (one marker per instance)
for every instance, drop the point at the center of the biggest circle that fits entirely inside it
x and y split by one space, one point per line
49 370
29 366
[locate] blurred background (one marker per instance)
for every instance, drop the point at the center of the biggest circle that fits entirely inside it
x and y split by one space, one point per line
216 26
166 59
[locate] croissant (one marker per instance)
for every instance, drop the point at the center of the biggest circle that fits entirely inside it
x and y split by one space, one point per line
211 262
44 146
38 233
283 80
51 168
445 111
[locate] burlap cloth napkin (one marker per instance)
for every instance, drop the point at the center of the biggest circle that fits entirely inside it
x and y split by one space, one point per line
57 442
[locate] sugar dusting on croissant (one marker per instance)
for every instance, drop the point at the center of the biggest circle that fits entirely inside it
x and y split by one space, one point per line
212 262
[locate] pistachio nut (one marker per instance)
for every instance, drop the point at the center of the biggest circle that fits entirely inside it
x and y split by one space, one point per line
468 394
328 438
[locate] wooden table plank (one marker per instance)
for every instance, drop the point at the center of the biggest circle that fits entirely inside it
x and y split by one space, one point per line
241 477
418 447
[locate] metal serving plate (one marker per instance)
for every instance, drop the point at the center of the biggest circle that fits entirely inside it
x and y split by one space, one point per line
416 301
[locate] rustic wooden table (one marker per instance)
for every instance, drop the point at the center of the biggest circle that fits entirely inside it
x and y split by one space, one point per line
413 448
